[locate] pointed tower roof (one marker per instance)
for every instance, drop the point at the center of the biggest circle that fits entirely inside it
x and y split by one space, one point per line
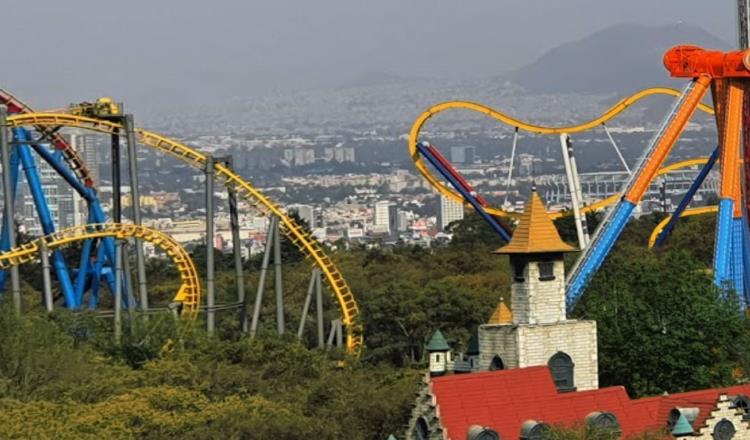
535 232
437 343
502 314
682 427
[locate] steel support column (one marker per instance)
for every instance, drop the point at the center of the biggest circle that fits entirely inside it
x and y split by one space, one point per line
210 298
319 309
278 288
118 292
262 277
46 277
140 263
9 196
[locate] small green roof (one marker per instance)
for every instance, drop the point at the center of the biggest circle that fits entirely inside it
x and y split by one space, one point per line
392 437
437 343
682 427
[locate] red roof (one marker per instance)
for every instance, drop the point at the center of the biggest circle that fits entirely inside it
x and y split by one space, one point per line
504 400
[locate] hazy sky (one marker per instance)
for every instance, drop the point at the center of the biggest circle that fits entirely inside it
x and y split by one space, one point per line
148 51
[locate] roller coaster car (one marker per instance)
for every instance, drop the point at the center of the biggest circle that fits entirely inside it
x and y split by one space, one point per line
103 107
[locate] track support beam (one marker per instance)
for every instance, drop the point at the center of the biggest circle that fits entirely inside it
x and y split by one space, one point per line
140 263
9 196
277 286
46 278
210 294
272 227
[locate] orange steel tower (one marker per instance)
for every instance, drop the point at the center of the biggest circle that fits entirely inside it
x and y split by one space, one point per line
727 75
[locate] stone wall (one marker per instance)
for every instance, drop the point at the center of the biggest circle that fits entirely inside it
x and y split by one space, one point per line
522 346
538 343
539 302
499 340
425 407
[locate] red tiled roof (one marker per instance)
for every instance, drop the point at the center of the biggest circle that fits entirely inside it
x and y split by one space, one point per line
503 400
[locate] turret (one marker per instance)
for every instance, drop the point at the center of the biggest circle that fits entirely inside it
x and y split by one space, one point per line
440 361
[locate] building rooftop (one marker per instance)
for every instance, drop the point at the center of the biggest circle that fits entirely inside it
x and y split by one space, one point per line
438 342
504 400
535 233
501 315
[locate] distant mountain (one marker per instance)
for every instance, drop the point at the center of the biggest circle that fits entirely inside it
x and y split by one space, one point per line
622 59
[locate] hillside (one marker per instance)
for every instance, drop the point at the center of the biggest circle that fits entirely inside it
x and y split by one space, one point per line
619 59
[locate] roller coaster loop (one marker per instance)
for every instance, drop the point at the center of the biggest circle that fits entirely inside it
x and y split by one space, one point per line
301 238
189 293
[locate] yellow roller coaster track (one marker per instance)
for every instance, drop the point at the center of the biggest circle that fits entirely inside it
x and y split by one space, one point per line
687 213
71 156
190 290
608 115
297 235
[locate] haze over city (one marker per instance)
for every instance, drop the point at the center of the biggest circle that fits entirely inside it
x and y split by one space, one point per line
375 220
158 54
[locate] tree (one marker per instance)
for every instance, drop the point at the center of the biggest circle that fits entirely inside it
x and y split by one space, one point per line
474 231
663 325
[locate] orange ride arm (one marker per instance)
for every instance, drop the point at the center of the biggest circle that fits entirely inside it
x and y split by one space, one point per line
672 133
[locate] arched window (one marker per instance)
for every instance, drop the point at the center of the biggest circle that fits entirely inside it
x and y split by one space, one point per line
497 363
421 429
477 432
561 367
533 430
603 421
724 430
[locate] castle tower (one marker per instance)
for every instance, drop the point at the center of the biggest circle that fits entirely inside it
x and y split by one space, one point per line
440 354
536 330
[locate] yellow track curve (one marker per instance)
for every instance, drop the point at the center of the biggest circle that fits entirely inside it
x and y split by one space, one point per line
70 155
687 213
297 235
608 115
190 290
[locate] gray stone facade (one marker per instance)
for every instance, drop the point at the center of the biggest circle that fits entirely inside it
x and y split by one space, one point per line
425 408
540 329
525 345
537 301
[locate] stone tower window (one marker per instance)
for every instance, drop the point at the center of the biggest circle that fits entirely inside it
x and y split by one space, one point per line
497 363
518 268
546 271
724 430
561 367
421 429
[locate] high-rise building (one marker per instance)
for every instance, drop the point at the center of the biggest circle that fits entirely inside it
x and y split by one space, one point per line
450 211
306 213
404 218
463 155
58 196
385 217
88 147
